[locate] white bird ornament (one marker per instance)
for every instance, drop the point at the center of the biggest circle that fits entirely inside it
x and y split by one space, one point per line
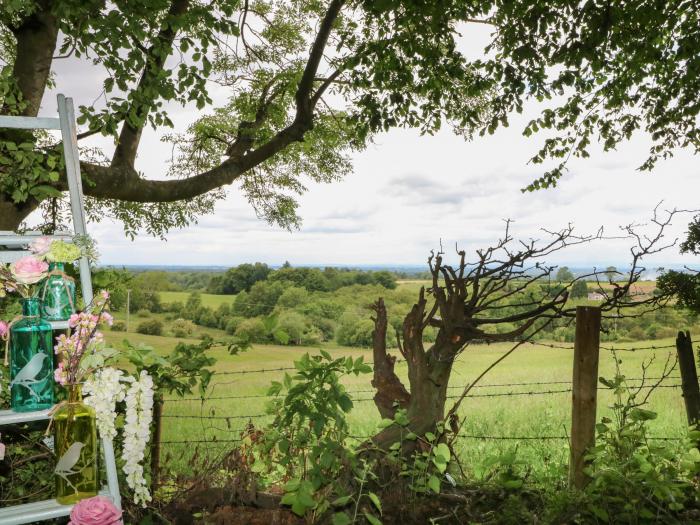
28 374
64 466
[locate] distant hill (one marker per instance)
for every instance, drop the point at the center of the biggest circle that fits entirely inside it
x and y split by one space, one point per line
651 274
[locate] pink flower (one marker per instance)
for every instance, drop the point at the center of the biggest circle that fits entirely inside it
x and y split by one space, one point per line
29 270
95 511
107 318
4 328
59 375
40 246
74 320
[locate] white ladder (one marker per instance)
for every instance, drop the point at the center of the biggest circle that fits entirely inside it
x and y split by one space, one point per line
15 246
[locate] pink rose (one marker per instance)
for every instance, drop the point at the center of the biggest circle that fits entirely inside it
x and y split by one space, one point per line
95 511
40 246
29 270
4 328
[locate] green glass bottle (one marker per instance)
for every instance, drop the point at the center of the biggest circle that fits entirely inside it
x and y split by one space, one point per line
31 360
57 294
75 438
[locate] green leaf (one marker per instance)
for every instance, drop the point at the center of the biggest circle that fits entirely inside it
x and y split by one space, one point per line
375 500
372 519
434 484
341 501
340 518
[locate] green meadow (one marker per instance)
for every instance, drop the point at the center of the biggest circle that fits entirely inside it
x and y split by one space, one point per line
537 412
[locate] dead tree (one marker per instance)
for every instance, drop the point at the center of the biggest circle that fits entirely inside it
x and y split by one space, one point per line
493 299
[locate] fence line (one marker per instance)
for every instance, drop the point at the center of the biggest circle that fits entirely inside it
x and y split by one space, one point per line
454 387
533 343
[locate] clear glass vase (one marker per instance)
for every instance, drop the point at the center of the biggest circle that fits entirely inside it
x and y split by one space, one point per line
75 438
57 294
31 360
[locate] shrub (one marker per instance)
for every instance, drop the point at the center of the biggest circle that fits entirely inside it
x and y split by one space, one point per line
118 326
353 331
143 312
232 324
252 330
182 328
293 325
150 327
175 307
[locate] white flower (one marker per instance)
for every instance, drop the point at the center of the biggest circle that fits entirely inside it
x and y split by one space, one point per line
103 391
137 433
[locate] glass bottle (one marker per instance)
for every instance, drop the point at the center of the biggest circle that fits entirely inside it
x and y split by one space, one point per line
31 360
57 294
75 438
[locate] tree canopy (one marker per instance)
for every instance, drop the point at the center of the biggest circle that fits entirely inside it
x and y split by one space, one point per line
309 81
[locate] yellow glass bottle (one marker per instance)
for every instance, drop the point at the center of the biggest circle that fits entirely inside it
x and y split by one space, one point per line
75 438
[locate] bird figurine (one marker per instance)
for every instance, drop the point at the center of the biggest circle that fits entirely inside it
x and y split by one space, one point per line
28 374
64 466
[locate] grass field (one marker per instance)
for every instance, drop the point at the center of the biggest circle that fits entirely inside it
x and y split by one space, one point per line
208 299
538 412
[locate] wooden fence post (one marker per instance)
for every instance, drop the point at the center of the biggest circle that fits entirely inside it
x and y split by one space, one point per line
155 441
584 391
689 377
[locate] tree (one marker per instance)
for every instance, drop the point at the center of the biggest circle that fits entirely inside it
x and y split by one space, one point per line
240 278
564 275
308 82
611 273
467 304
579 289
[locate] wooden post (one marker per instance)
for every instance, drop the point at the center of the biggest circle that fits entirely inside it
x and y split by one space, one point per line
584 391
155 441
689 377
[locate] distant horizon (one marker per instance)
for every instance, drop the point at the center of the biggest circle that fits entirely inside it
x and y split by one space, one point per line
378 266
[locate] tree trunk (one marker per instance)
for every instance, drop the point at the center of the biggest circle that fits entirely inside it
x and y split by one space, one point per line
36 44
12 215
428 376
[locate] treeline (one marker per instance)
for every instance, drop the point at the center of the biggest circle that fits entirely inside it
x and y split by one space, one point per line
278 312
243 277
308 306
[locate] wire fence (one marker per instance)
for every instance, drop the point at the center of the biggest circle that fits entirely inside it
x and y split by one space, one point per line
512 389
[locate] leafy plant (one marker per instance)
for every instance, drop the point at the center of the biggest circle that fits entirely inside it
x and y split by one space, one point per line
635 479
304 447
427 464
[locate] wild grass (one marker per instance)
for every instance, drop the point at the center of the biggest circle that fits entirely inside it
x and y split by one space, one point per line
530 413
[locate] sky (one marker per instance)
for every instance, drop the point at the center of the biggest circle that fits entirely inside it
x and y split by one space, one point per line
407 194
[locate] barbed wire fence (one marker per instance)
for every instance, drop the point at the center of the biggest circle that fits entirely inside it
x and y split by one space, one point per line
514 390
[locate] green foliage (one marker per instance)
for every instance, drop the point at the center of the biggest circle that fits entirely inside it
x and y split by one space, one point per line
354 331
187 367
118 326
238 279
306 441
116 281
182 328
252 330
684 286
427 465
150 327
635 479
579 289
564 275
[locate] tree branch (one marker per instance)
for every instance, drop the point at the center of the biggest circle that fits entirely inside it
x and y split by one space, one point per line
130 136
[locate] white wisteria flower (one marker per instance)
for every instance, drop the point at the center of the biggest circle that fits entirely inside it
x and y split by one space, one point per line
102 392
137 431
